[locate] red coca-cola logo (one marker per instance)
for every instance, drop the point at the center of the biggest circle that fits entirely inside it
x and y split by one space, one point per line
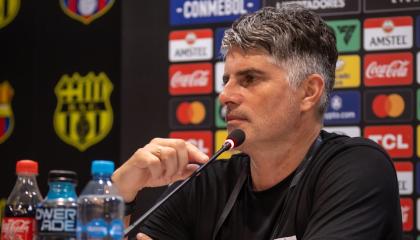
190 79
198 78
395 69
388 69
17 229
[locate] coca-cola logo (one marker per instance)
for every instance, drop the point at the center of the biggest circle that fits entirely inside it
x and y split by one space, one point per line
395 69
193 78
198 78
17 229
387 69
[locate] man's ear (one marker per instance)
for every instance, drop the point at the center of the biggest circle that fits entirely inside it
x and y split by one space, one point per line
313 88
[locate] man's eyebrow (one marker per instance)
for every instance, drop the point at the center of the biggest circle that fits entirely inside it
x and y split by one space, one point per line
244 72
250 71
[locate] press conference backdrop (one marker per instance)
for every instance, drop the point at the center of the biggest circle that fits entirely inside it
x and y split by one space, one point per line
60 84
158 66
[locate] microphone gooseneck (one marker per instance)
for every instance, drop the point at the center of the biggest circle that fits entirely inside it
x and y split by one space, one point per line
234 139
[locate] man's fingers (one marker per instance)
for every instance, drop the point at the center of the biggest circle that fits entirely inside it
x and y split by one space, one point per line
169 158
142 236
195 155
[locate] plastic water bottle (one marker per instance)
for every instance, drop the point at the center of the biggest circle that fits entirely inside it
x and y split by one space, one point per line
19 215
56 215
100 209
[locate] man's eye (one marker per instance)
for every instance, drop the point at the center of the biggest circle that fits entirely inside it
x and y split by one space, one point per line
247 80
225 80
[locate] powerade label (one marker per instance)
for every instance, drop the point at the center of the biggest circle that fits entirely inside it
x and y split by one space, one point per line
97 228
56 220
14 228
187 12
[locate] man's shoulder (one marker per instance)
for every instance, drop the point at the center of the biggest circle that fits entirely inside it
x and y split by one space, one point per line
340 143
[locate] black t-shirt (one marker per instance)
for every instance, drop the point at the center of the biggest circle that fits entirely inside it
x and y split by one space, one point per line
351 193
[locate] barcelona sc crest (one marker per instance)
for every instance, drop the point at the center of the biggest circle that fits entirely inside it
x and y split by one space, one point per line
8 11
85 11
7 120
83 115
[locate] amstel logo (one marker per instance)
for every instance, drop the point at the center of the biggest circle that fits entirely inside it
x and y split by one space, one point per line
7 121
86 11
84 115
8 11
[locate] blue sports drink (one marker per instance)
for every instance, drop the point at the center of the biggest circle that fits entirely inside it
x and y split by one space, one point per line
56 215
100 208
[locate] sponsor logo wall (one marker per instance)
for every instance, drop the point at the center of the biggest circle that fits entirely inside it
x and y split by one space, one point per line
376 93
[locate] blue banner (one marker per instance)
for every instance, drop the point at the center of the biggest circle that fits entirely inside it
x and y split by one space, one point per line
187 12
344 108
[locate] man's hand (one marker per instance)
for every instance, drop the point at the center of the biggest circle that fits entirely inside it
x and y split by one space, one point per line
159 163
142 236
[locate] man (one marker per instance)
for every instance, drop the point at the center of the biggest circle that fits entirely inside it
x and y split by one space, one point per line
292 180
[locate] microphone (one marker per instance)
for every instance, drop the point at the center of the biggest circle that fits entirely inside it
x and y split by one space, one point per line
235 138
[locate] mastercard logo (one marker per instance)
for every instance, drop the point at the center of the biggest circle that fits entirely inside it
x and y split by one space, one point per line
191 113
391 105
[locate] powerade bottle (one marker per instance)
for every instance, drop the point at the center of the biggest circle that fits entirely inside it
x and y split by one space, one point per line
100 209
56 215
19 215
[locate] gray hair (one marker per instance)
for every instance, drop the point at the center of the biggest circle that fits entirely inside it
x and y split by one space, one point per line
296 38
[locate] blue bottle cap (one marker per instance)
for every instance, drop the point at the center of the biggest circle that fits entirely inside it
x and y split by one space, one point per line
102 167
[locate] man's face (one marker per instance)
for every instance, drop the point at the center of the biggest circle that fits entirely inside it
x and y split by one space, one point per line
258 97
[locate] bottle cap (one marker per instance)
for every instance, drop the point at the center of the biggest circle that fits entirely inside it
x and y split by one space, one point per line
62 176
27 166
102 167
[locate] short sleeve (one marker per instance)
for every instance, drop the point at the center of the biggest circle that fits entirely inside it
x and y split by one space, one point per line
356 198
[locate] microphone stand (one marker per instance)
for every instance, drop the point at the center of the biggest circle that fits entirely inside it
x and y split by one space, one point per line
226 146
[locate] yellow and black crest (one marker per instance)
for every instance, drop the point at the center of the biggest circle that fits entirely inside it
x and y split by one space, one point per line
8 11
83 115
7 120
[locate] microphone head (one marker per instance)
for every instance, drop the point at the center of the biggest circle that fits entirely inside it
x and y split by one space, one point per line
235 138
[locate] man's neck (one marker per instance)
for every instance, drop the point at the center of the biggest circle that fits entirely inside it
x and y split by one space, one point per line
272 164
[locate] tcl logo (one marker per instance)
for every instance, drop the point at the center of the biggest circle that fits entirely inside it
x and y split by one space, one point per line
203 140
190 79
407 213
396 139
388 69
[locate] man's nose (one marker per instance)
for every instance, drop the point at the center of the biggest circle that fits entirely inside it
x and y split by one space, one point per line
230 93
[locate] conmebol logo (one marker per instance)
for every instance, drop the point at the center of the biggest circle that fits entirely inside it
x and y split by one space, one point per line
190 79
184 12
388 69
